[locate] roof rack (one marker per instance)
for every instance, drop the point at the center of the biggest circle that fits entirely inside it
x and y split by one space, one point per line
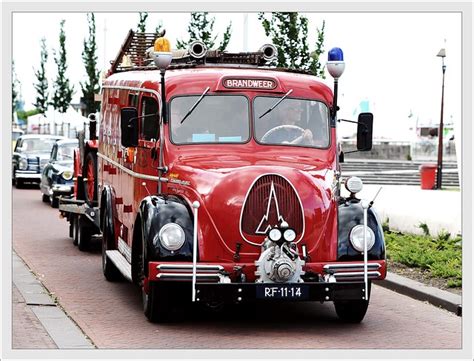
135 54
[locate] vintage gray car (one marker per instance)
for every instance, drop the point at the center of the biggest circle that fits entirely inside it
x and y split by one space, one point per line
57 177
31 153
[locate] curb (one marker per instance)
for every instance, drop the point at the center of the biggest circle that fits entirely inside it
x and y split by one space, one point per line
414 289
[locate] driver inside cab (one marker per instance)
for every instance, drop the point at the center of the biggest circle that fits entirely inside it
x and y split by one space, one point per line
290 127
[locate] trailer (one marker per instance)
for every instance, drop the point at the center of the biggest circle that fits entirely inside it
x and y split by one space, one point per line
81 209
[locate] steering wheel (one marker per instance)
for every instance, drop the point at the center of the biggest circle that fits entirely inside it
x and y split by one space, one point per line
287 130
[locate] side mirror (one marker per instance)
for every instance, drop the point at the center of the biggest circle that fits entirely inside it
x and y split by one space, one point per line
129 127
364 131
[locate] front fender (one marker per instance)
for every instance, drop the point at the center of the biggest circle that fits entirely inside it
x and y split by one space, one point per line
155 212
351 214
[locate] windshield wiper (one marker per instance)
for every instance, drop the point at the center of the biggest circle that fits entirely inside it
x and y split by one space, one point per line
275 105
195 105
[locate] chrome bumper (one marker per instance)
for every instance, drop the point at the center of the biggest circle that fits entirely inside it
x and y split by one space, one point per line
27 175
184 272
350 271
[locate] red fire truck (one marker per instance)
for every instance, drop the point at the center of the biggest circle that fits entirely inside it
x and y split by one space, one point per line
219 182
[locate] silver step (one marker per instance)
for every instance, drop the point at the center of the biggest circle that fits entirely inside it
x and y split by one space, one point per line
188 267
121 263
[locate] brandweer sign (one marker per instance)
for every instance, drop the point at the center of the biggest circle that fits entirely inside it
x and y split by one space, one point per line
249 83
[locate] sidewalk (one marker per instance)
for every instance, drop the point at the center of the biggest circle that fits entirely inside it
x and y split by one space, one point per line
38 322
406 207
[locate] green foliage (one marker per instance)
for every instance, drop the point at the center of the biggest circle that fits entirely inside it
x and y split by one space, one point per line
440 256
62 90
289 33
89 57
141 27
22 114
41 86
15 84
315 66
201 28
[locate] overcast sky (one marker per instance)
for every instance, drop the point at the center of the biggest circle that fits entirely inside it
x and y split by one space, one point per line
390 57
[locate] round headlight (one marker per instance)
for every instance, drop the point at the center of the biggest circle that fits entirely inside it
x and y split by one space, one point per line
67 175
274 235
357 238
23 164
171 236
354 184
289 235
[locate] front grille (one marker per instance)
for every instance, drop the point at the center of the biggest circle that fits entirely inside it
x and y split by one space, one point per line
267 205
33 164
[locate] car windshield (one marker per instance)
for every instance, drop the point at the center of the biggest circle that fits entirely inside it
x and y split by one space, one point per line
298 122
66 152
216 119
37 144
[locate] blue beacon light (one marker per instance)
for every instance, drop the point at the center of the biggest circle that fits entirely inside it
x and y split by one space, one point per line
335 64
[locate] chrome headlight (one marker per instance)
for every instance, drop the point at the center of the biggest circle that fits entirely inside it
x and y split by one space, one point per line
354 184
171 236
67 175
23 164
274 235
357 238
289 235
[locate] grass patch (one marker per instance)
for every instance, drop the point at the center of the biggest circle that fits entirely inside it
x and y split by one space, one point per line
440 256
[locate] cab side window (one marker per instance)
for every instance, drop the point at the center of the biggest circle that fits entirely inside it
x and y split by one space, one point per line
149 122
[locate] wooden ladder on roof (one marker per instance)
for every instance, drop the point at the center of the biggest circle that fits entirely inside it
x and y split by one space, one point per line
135 47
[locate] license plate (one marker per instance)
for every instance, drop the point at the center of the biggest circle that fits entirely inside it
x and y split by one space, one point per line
285 292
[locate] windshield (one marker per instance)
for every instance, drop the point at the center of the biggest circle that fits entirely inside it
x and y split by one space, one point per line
66 152
216 119
297 122
37 144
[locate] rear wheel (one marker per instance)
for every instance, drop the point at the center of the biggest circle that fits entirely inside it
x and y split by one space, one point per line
90 174
54 201
45 198
84 234
75 229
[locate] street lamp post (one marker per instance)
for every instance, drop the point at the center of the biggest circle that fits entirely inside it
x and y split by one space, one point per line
439 177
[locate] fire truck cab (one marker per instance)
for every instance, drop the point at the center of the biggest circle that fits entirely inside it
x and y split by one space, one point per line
218 182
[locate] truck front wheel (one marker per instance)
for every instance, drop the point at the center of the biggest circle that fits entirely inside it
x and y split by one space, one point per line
156 304
351 311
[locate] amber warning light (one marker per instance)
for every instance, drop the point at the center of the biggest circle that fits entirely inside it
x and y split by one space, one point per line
249 83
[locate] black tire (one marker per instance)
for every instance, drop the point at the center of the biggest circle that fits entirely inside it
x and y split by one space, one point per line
54 201
84 234
351 311
45 198
90 170
157 303
71 228
75 229
111 272
19 183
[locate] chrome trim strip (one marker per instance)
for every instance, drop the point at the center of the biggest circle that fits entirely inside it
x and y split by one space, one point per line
131 172
188 267
195 251
356 274
346 266
188 276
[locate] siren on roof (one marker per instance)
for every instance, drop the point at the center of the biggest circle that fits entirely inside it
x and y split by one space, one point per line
335 62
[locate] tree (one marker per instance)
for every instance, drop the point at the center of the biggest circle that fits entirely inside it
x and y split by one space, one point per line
41 87
201 28
142 22
289 33
316 67
62 90
15 92
89 57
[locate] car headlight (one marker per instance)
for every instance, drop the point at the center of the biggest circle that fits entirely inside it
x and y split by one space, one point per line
357 238
67 175
354 184
289 235
171 236
23 164
274 234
